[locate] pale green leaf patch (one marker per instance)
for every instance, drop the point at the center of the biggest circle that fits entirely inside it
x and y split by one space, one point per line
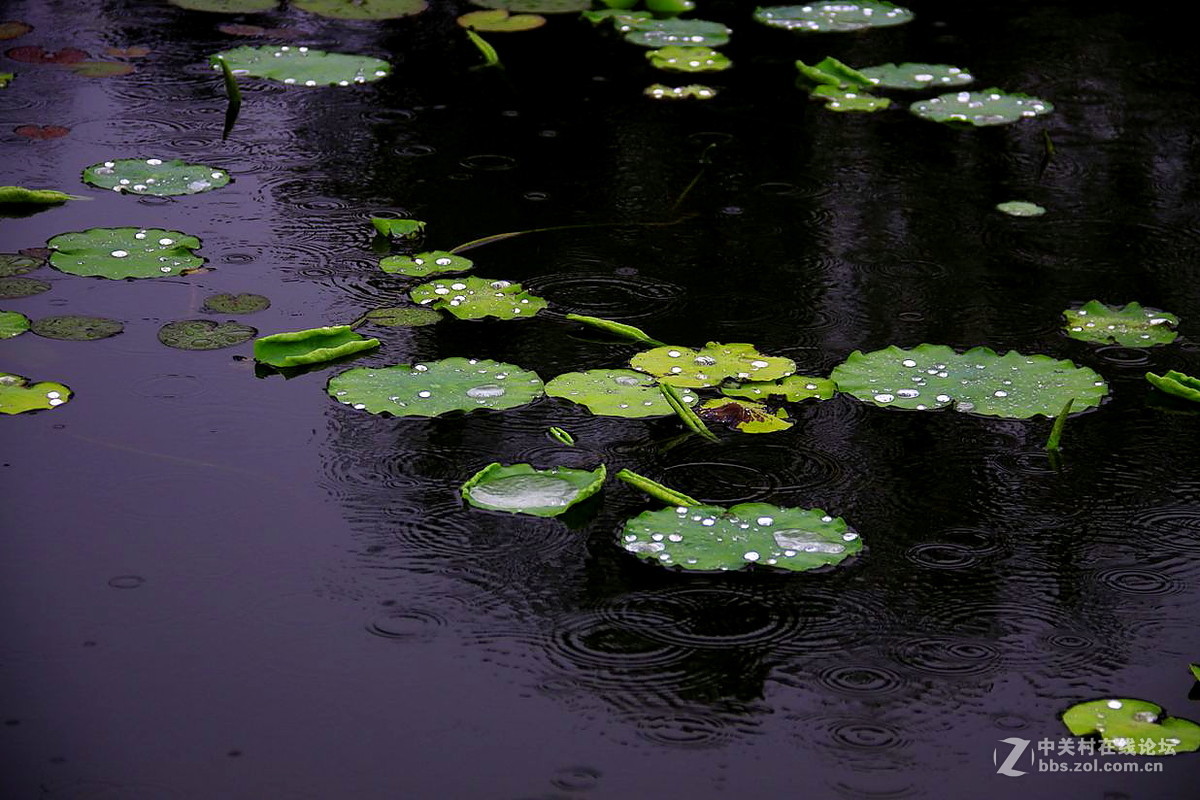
833 16
116 253
614 393
1021 208
301 66
362 9
688 59
1133 727
1131 326
917 76
312 346
524 489
682 366
12 323
471 297
660 33
18 395
693 91
986 107
422 265
436 387
154 176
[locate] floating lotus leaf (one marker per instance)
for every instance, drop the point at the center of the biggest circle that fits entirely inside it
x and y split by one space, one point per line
12 323
402 316
41 132
614 393
794 388
713 538
435 387
681 366
693 91
12 288
833 16
204 334
670 7
744 415
18 264
524 489
235 304
475 298
917 76
302 66
362 9
424 264
665 32
73 328
831 72
537 6
614 14
100 69
1134 727
312 346
688 59
1131 326
154 176
398 228
124 252
500 21
1020 208
18 396
987 107
932 376
227 6
1177 383
32 54
843 100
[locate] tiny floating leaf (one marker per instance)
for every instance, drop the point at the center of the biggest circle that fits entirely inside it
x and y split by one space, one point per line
693 91
13 287
1131 326
537 6
422 265
675 58
124 252
153 176
524 489
1126 725
401 316
1020 208
227 6
204 334
500 21
312 346
301 66
17 395
436 387
853 100
833 16
682 366
235 304
470 297
986 107
613 393
1177 384
74 328
12 323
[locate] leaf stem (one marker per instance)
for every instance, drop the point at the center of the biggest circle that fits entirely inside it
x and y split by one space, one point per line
490 57
618 328
1059 423
234 95
657 490
688 416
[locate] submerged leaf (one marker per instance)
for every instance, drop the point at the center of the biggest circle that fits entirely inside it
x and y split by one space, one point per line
1127 725
18 264
12 29
688 59
100 69
524 489
362 9
41 132
475 298
794 388
665 32
681 366
32 54
302 66
204 334
402 316
422 265
153 176
17 395
1177 384
613 393
227 6
435 387
916 76
235 304
312 346
833 16
1131 326
12 323
124 252
986 107
693 91
74 328
14 287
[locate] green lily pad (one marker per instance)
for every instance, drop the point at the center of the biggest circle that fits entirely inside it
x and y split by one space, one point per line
688 59
312 346
917 76
73 328
154 176
398 228
693 91
614 393
475 298
124 252
1177 384
12 288
422 265
833 16
436 387
537 6
12 323
362 9
1131 326
524 489
794 388
843 100
402 316
17 395
498 20
665 32
605 14
1020 208
1134 727
932 376
713 538
20 196
18 264
987 107
204 334
227 6
302 66
235 304
682 366
746 416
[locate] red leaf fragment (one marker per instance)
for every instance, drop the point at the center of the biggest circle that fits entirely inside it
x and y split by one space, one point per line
12 29
41 131
32 54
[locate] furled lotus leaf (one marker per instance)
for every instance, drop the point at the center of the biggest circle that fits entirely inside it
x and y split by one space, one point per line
17 395
713 538
227 6
21 196
18 264
833 16
398 228
746 416
435 387
693 91
688 59
1127 725
362 9
235 304
312 346
154 176
12 323
124 252
475 298
986 107
842 100
917 76
932 376
524 489
1020 208
1177 383
422 265
681 366
498 20
1131 326
831 72
301 66
614 393
794 388
666 32
204 334
537 6
402 316
12 288
74 328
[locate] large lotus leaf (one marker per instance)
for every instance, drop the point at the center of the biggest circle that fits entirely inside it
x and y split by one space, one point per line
422 265
1135 727
312 346
681 366
916 76
1177 383
713 538
665 32
12 288
154 176
1131 326
235 304
987 107
12 323
537 6
794 388
497 20
833 16
932 376
74 328
204 334
17 395
693 91
124 252
524 489
362 9
746 416
227 6
614 393
475 298
18 264
435 387
302 66
688 59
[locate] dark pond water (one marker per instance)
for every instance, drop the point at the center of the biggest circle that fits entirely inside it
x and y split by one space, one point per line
221 585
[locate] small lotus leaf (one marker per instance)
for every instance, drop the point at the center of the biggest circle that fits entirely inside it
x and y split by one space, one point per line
681 366
124 252
986 107
18 264
688 59
362 9
435 387
312 346
500 21
100 69
524 489
73 328
235 304
154 176
32 54
302 66
402 316
398 228
917 76
12 323
693 91
614 393
422 265
227 6
1177 384
204 334
713 538
670 7
615 14
12 288
20 196
665 32
18 396
1126 725
41 132
537 6
1131 326
842 100
746 416
833 16
475 298
794 388
933 376
1020 208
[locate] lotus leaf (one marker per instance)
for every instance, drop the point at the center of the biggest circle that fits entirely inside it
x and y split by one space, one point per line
204 334
18 396
987 107
614 393
398 228
12 288
842 100
124 252
312 346
100 69
537 6
932 376
18 264
1195 668
436 387
664 32
1177 383
681 366
688 59
402 316
422 265
670 7
72 328
1020 208
833 16
362 9
227 6
12 323
916 76
1131 326
713 538
20 196
154 176
693 91
794 388
500 21
831 72
235 304
301 66
744 415
523 489
475 298
6 78
1127 725
614 14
